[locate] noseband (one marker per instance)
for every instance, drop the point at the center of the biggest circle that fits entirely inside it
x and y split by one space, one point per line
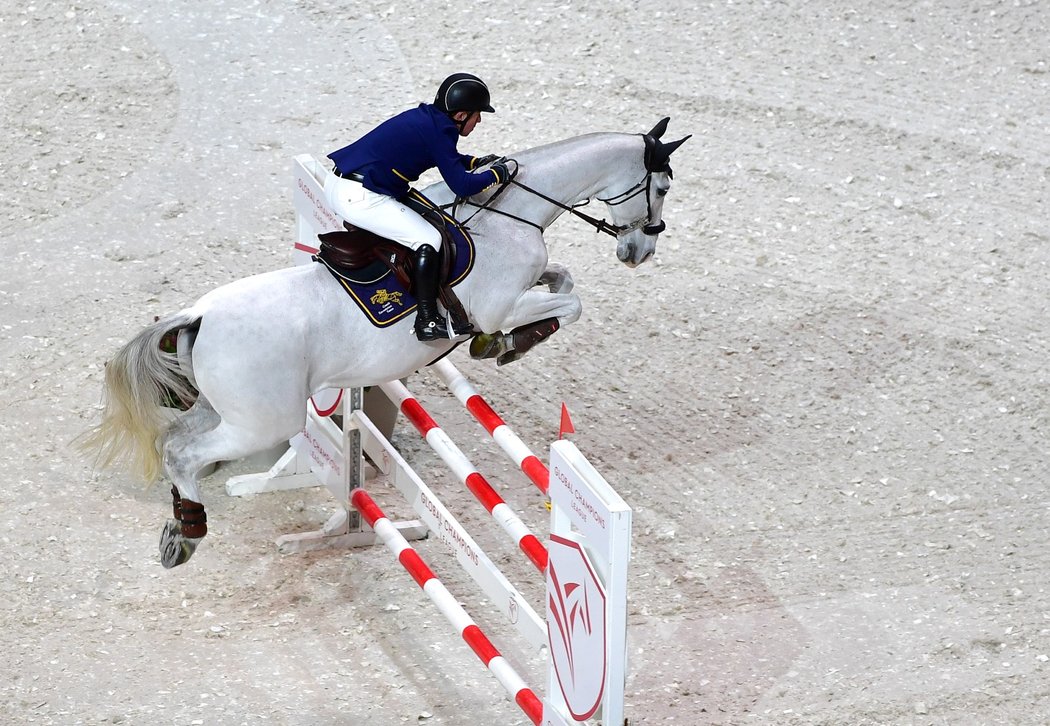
643 223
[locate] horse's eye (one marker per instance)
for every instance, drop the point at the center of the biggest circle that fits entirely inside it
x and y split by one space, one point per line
661 192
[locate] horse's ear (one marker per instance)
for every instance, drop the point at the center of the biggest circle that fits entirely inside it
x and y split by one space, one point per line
660 158
668 149
660 128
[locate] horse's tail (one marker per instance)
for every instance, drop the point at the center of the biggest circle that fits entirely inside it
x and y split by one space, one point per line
138 379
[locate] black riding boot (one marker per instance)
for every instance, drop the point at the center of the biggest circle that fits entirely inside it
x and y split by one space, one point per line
430 325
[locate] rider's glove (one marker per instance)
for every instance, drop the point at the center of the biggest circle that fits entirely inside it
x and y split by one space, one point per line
479 161
502 172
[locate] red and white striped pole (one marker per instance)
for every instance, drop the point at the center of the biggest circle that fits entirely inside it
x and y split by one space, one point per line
477 484
524 696
501 433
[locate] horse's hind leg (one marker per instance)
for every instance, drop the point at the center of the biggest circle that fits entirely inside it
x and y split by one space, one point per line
200 418
186 453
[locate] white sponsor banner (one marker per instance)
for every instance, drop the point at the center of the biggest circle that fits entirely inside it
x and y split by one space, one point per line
325 457
314 214
589 551
576 621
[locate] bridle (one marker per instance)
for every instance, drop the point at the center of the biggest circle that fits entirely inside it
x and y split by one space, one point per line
644 223
600 225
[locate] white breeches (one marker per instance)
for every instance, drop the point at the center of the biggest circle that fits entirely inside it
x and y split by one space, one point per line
379 213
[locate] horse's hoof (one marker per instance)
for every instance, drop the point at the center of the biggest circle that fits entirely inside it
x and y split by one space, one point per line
488 345
509 357
174 548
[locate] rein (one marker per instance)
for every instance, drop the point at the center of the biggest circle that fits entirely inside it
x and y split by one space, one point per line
600 225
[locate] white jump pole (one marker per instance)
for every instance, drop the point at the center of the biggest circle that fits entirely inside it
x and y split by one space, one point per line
447 605
460 465
498 429
508 600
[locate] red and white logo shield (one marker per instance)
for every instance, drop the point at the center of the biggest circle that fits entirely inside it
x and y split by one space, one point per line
576 622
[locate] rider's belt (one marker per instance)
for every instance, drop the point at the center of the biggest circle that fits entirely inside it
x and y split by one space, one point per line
353 175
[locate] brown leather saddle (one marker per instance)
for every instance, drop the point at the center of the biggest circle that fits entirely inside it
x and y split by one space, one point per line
356 252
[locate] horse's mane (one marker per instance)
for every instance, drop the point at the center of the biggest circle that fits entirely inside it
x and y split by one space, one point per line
562 144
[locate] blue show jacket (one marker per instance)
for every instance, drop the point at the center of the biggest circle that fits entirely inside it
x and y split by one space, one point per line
396 152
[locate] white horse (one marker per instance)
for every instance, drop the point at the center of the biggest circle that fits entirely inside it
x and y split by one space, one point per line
257 348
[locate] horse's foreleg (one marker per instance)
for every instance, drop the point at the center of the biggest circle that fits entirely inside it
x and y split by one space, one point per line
557 278
533 305
509 347
535 318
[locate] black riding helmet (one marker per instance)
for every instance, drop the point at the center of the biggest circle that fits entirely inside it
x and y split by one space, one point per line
463 92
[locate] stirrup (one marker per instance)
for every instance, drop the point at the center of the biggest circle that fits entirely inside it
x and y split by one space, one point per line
431 330
461 326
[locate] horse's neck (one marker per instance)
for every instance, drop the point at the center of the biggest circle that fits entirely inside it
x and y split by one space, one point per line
570 172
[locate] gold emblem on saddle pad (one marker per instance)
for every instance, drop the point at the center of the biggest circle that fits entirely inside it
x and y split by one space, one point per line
382 297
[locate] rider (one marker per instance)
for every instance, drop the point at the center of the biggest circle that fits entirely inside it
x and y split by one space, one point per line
372 176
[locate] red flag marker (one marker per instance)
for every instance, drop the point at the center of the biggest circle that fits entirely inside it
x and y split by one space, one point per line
566 426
